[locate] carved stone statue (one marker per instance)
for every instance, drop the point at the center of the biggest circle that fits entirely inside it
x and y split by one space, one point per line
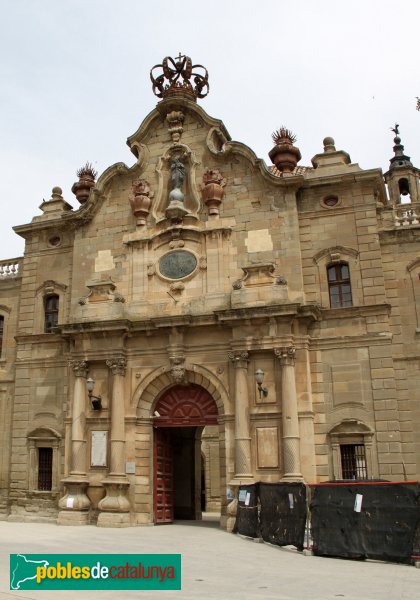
177 174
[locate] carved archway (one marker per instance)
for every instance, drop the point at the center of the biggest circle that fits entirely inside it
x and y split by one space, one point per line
185 405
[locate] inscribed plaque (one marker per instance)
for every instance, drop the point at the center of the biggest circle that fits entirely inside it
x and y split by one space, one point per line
98 449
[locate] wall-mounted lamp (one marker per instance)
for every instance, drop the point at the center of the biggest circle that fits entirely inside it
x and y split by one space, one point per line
95 400
259 378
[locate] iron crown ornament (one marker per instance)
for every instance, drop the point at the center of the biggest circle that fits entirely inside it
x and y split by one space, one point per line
178 73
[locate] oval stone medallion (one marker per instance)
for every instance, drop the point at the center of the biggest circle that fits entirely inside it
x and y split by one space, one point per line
178 264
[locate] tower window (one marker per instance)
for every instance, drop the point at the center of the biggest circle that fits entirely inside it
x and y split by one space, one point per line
51 312
45 456
353 461
339 285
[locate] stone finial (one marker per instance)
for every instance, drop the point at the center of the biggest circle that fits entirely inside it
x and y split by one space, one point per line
284 154
81 189
178 72
212 190
329 144
51 208
141 200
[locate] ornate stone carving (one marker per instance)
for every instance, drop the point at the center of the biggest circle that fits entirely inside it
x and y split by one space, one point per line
239 358
101 291
79 367
151 270
117 365
81 189
281 280
176 244
212 190
238 284
141 200
175 120
177 287
286 355
177 368
284 154
202 263
178 74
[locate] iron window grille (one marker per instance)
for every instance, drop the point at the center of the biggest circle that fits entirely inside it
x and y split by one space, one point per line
45 457
353 461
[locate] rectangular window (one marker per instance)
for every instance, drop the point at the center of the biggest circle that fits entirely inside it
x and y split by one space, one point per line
51 312
45 456
353 461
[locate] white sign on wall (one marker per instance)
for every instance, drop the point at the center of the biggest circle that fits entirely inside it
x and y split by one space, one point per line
98 449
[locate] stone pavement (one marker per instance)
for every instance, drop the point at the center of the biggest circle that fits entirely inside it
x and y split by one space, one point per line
216 565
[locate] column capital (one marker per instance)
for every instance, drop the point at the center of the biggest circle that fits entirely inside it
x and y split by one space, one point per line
286 355
79 367
240 358
117 365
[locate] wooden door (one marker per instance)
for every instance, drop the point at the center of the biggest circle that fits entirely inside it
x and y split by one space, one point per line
163 477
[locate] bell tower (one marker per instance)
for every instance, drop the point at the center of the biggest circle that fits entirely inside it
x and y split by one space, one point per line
402 177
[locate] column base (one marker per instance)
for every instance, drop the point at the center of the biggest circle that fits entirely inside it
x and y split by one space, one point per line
292 477
73 517
114 519
243 479
75 500
115 501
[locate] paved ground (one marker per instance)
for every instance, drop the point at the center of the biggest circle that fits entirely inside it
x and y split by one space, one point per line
216 565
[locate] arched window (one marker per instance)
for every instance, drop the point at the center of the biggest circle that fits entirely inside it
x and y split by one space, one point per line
1 332
51 312
339 285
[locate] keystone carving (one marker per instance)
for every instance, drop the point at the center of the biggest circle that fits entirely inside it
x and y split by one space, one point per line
178 369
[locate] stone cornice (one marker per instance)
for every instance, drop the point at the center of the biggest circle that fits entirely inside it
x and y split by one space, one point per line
351 341
355 311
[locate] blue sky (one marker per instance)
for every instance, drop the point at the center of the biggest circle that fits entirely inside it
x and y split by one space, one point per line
75 82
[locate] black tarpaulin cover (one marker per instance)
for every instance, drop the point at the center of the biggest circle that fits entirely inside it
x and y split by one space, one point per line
384 528
283 513
247 514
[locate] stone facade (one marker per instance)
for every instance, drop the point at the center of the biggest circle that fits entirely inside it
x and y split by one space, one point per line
177 280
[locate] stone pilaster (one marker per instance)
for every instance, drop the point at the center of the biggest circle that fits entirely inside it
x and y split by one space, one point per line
242 437
115 506
75 503
290 419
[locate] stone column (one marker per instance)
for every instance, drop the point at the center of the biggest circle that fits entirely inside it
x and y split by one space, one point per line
290 419
242 438
115 506
75 504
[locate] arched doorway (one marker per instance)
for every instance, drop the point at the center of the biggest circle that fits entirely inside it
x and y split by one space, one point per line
180 415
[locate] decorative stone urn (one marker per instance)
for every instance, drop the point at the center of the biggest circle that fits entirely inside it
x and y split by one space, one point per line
212 190
81 189
141 200
284 154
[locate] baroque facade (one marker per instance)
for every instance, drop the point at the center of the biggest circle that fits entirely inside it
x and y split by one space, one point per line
202 320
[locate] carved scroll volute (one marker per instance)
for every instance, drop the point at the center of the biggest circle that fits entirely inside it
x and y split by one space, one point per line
141 200
212 190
